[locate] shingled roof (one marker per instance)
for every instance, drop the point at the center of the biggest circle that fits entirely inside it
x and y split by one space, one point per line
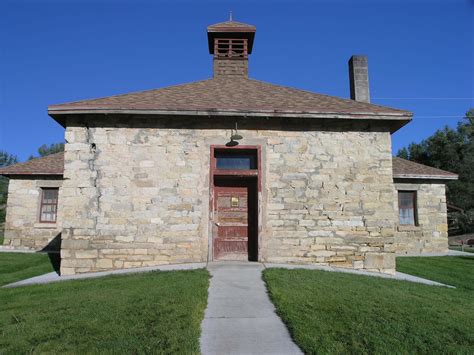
406 169
230 96
233 26
54 165
49 165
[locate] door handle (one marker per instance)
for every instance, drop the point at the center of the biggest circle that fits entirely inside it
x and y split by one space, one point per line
217 224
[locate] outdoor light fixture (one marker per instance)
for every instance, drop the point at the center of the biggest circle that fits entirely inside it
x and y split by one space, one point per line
232 143
236 136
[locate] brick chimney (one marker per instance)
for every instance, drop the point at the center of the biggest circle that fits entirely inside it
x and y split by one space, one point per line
231 43
359 78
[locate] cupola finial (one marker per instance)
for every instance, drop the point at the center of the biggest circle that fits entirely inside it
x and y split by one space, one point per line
230 16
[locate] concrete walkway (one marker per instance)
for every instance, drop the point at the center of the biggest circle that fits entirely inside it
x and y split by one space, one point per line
240 319
9 249
54 277
398 275
448 253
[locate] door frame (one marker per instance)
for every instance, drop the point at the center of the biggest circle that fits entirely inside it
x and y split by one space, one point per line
254 173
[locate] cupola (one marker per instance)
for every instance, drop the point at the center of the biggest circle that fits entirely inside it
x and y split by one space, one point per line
230 43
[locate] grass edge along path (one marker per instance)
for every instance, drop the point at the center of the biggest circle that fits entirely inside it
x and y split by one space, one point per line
456 271
343 313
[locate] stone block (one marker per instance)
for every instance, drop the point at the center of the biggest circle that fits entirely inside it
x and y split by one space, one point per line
374 261
104 263
85 254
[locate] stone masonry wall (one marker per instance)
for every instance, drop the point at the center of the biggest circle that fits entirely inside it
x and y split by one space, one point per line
22 227
139 196
230 67
330 199
431 233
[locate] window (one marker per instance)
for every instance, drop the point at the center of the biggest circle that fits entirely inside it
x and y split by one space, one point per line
407 207
230 48
236 159
49 205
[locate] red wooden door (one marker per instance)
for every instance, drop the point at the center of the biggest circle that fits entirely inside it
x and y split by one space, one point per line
231 219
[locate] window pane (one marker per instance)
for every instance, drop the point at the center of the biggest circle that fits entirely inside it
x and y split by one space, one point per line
406 199
231 160
48 217
407 216
50 195
406 205
49 205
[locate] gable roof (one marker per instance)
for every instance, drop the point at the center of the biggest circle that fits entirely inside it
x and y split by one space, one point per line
406 169
232 97
54 165
49 165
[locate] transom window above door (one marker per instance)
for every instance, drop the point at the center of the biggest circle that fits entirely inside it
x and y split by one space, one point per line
236 159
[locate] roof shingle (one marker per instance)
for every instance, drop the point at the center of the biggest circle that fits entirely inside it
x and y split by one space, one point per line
407 169
229 95
49 165
231 26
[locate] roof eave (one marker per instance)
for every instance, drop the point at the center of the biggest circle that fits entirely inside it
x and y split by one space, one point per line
231 29
229 112
425 177
30 174
402 118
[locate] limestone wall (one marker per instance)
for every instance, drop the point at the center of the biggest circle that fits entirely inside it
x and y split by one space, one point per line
22 227
330 199
137 194
431 233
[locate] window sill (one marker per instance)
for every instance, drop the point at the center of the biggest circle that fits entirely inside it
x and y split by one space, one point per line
408 228
46 225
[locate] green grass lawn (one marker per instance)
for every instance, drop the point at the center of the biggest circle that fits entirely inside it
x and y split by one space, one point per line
343 313
456 271
19 266
155 312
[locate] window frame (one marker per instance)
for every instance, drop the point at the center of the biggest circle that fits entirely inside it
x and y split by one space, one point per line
414 194
231 48
252 154
42 204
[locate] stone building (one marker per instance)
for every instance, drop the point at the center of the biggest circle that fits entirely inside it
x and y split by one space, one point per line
228 168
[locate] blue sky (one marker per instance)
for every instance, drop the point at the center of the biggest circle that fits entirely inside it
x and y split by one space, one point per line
420 54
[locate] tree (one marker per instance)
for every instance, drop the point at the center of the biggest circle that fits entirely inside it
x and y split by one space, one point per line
403 153
5 160
45 150
452 150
